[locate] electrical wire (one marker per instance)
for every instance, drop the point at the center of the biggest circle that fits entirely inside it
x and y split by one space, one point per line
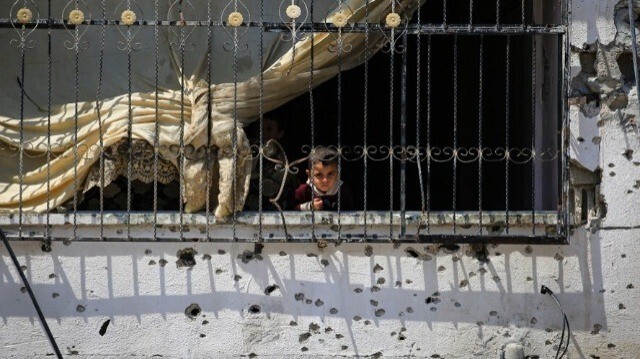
565 323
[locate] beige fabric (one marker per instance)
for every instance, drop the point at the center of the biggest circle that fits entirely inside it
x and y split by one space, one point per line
286 79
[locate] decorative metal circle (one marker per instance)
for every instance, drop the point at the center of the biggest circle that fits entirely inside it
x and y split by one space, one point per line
128 17
393 20
24 15
294 11
339 19
235 19
76 17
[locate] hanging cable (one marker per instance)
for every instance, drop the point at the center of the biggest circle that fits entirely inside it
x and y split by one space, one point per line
565 323
43 321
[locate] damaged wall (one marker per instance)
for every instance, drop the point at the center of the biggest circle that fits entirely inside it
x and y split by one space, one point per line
209 300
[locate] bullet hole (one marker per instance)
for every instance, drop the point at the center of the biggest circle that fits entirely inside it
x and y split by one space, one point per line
408 281
55 295
103 327
319 303
593 356
376 355
493 313
528 279
374 302
299 296
409 310
247 256
401 337
237 277
328 330
611 345
152 262
339 336
496 279
311 255
46 246
471 274
368 251
324 262
219 271
303 337
612 174
344 347
162 262
482 271
80 308
580 139
206 257
432 300
596 329
308 301
611 165
434 356
358 290
24 268
333 311
205 322
253 355
314 328
457 305
304 349
270 289
621 306
449 248
52 275
479 324
415 254
441 268
254 309
377 268
72 351
380 312
186 258
381 281
192 311
533 321
497 254
464 283
282 253
398 283
629 286
433 309
528 249
23 289
375 289
357 318
293 323
147 251
221 252
455 259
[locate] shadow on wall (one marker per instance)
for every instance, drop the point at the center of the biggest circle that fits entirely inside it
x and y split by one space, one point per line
352 282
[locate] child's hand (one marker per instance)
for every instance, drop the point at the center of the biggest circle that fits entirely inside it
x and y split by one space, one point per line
317 204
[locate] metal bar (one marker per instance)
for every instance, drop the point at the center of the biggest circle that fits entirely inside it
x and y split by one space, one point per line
566 121
411 29
129 133
428 199
47 240
534 75
156 125
339 134
208 159
312 131
98 112
506 131
43 320
403 137
480 99
454 176
261 124
365 117
634 45
391 88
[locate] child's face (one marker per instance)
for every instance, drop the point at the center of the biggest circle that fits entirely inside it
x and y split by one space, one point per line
324 176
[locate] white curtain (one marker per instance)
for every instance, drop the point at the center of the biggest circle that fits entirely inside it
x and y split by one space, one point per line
286 78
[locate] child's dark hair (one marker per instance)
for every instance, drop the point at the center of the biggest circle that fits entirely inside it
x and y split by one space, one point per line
326 155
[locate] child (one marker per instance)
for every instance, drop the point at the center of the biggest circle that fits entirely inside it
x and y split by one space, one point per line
324 182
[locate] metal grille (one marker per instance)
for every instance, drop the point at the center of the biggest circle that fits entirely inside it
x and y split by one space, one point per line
451 129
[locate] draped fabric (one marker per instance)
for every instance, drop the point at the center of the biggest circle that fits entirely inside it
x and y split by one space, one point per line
286 78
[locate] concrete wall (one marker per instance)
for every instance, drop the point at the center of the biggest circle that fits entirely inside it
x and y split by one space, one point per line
299 300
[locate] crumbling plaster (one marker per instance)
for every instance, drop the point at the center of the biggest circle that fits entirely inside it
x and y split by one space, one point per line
298 300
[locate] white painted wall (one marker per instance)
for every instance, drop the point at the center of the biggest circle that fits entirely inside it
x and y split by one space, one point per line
481 308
